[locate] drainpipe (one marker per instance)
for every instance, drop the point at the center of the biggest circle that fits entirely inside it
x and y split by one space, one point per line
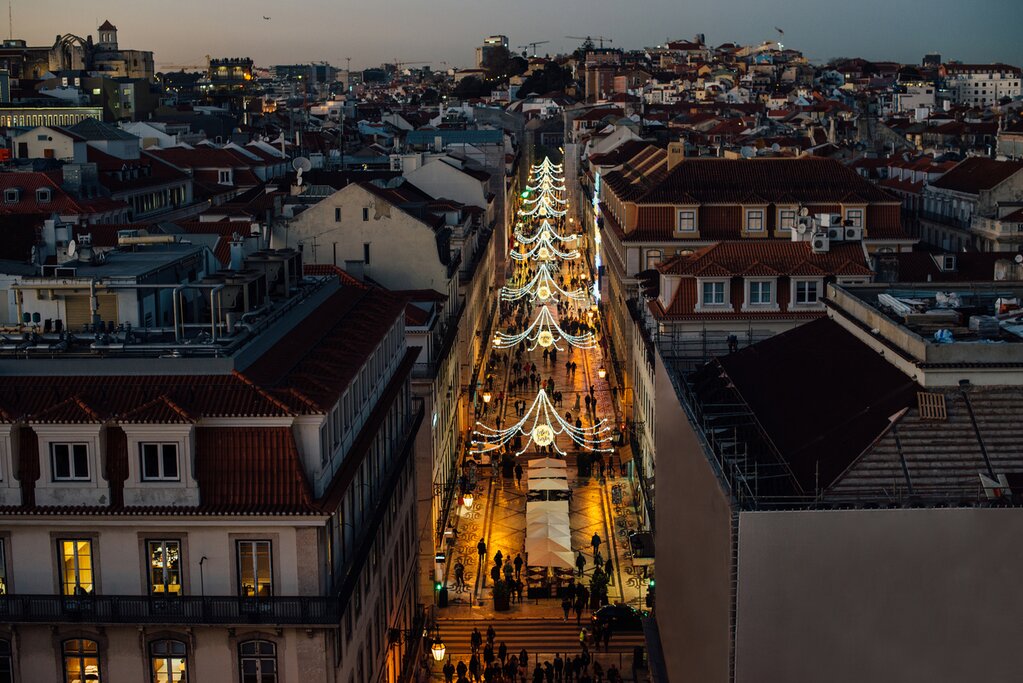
176 294
213 310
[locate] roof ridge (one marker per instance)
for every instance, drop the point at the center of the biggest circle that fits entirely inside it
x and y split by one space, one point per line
262 392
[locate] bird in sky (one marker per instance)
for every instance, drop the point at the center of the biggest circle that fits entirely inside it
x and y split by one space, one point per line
775 28
267 18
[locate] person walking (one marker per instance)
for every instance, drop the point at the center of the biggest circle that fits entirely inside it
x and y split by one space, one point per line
474 667
566 607
580 563
476 639
518 475
523 660
449 671
461 669
559 667
498 558
518 565
491 634
508 571
482 548
582 637
607 637
579 612
537 674
502 652
609 569
595 542
459 576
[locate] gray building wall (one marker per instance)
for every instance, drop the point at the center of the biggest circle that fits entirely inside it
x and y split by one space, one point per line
692 540
879 595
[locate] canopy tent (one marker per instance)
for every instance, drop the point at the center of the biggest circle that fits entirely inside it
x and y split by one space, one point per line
537 507
557 529
548 485
547 473
550 558
547 545
547 462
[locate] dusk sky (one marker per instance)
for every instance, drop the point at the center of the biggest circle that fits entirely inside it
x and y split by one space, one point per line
184 31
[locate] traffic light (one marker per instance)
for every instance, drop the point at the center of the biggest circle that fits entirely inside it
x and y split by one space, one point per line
525 194
437 585
651 583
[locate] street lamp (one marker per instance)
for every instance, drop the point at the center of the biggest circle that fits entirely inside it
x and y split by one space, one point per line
467 501
601 372
486 397
438 649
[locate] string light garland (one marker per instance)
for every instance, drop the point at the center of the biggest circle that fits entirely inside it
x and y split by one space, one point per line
542 425
543 287
544 250
544 332
545 229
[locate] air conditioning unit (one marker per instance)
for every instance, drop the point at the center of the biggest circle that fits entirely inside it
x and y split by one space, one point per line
828 220
836 233
853 234
820 243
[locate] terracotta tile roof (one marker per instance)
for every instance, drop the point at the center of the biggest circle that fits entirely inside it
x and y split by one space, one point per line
72 410
257 469
60 201
161 410
975 174
327 269
920 266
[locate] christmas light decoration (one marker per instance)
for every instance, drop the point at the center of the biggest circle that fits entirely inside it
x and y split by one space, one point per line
544 250
541 425
544 332
543 287
545 229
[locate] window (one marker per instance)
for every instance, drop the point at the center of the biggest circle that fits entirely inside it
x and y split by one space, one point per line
760 293
855 217
159 461
337 215
3 575
365 253
70 461
254 574
713 293
365 214
686 221
806 292
6 666
258 660
76 575
754 220
653 257
167 661
164 567
11 195
224 177
81 661
786 219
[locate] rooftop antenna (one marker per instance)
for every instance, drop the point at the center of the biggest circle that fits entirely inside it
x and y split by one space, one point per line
10 18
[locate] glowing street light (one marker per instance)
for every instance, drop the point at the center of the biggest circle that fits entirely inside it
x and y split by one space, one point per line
487 397
601 372
467 501
438 649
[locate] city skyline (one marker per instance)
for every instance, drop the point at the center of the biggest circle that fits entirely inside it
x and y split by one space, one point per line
301 35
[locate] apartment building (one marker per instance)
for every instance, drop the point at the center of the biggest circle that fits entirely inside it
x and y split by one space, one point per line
205 474
981 85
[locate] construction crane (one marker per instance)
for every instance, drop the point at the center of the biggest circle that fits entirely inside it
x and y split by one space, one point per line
182 67
398 66
601 39
532 45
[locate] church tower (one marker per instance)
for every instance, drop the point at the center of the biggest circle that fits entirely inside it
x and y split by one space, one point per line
107 37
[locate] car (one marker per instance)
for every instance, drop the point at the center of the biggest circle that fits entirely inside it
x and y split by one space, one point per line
618 617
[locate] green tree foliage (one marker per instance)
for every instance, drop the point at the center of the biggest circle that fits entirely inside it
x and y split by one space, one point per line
471 87
552 78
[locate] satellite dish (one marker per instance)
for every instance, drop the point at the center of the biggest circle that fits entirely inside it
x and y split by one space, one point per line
301 164
1019 258
801 228
776 147
748 152
803 211
72 247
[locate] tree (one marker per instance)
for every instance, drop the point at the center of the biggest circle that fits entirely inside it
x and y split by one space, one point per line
552 78
471 87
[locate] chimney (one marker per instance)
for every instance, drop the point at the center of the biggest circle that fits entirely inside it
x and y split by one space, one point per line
676 154
237 252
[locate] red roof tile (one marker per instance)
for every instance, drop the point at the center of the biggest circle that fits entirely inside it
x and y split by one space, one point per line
975 174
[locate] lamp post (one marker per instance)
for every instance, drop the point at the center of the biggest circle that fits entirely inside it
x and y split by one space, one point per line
601 372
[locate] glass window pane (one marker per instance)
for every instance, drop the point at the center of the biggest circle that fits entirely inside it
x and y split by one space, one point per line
150 461
81 468
170 461
76 567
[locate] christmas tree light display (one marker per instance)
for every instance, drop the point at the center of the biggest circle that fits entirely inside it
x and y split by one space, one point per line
544 332
542 425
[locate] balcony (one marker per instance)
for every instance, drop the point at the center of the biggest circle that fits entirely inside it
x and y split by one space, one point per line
950 221
182 610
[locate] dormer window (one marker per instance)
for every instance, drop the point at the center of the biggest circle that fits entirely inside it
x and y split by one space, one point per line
786 219
754 220
224 177
11 196
686 220
854 217
948 262
43 195
70 461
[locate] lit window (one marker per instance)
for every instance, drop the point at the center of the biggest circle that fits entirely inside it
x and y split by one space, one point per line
3 581
168 662
254 569
159 461
258 661
786 219
70 461
81 661
855 217
686 221
754 220
806 292
713 293
760 293
76 576
164 567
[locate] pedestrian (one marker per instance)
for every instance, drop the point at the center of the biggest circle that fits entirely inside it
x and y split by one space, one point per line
609 569
508 571
580 563
566 607
474 667
559 667
491 634
598 672
579 612
607 638
459 575
498 558
462 669
488 653
582 637
537 674
482 548
523 660
548 672
518 565
476 639
502 652
495 573
449 671
518 590
518 475
595 542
